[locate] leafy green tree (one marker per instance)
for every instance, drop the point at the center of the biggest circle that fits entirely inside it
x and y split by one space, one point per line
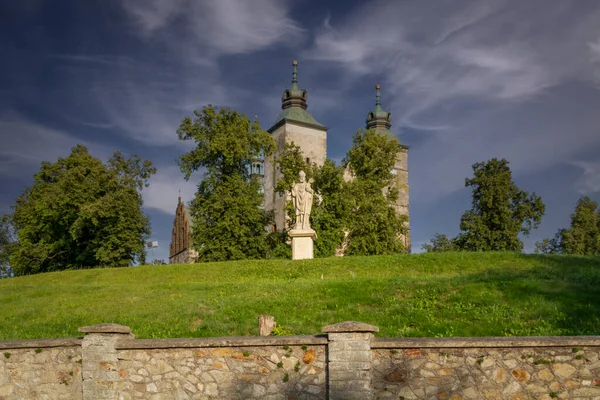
374 227
440 243
499 212
330 205
583 236
81 213
358 215
330 216
229 223
7 244
551 246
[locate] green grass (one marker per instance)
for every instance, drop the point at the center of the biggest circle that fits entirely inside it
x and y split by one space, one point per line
452 294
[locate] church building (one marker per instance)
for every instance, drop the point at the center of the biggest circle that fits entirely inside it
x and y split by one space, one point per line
181 250
295 124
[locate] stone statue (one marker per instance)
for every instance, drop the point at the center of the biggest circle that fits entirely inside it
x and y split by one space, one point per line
302 196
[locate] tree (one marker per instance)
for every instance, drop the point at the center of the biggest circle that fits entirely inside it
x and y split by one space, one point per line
582 237
81 213
7 244
551 246
229 223
374 228
330 206
440 243
499 212
158 261
330 216
358 215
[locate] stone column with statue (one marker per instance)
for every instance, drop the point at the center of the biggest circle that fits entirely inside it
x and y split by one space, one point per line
302 234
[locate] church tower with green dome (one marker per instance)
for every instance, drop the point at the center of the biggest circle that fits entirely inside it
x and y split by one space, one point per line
381 121
293 124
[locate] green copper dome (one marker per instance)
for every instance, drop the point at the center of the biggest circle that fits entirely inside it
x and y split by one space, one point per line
293 105
378 118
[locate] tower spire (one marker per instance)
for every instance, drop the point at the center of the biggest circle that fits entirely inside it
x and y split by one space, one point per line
295 75
294 97
378 118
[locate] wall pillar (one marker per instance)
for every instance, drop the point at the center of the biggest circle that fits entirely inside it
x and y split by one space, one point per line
350 360
99 368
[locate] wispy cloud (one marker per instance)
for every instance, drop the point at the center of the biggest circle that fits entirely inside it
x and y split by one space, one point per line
164 187
176 65
138 98
224 26
595 50
492 76
25 144
590 180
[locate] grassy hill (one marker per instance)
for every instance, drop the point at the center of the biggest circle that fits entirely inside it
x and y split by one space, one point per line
453 294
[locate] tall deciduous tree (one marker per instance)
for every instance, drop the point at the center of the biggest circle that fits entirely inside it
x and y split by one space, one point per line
7 244
499 212
229 222
374 228
330 206
582 237
358 215
81 213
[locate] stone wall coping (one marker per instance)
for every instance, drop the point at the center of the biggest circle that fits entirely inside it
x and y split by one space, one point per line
486 342
227 341
349 326
39 343
105 328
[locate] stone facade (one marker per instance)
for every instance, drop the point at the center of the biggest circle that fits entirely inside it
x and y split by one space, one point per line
181 251
348 362
313 142
402 203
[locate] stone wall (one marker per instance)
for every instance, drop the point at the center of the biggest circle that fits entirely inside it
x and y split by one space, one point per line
40 369
229 372
487 368
347 362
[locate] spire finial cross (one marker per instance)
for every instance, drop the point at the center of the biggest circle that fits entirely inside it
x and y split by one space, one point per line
295 73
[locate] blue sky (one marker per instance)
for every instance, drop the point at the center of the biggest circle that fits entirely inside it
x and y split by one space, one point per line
465 81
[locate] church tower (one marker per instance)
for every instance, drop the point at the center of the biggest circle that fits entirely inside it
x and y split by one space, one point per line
294 124
181 251
381 121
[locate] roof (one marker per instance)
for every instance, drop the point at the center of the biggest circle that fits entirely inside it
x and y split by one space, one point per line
299 115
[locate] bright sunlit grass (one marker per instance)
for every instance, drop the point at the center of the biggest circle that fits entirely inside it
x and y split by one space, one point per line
452 294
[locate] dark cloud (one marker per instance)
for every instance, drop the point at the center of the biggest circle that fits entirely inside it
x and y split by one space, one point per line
465 80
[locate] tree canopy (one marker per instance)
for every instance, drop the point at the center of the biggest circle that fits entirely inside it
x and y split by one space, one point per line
440 243
582 237
7 243
330 205
499 212
81 213
375 227
229 222
357 216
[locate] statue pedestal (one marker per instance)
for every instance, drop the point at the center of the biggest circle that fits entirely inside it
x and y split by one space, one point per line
302 243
